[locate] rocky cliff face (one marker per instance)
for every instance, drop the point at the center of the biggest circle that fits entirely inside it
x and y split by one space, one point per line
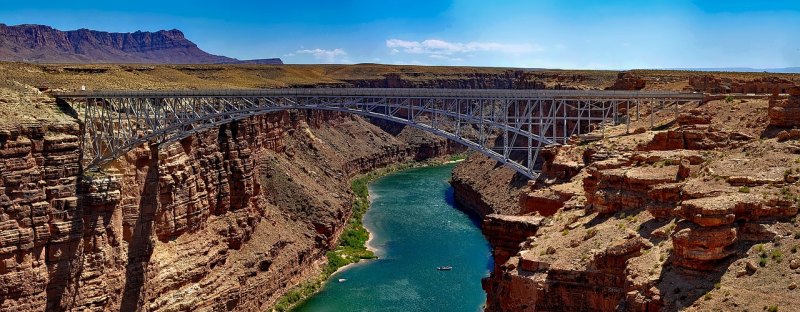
764 85
680 218
510 79
39 43
227 219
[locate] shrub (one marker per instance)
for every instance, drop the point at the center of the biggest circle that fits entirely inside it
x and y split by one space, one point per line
744 189
729 99
772 308
777 255
458 157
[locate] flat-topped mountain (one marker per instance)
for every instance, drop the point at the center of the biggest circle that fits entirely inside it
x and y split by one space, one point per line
44 44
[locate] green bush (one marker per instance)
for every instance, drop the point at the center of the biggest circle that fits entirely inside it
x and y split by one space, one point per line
772 308
777 255
744 189
458 157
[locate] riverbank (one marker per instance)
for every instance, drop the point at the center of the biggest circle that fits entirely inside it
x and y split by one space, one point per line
413 224
353 245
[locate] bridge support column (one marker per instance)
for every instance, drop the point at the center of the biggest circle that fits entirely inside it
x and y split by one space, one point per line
142 243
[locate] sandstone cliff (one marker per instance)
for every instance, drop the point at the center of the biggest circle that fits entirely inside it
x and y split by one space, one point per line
225 219
697 215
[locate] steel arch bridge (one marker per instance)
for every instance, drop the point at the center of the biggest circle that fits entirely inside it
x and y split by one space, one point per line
510 126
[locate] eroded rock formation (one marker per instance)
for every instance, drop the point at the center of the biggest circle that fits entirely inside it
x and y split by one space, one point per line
628 81
786 112
225 219
662 220
763 85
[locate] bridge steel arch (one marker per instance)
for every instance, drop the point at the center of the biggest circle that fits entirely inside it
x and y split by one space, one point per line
510 126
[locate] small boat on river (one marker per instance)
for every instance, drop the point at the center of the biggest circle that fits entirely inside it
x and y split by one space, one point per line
444 268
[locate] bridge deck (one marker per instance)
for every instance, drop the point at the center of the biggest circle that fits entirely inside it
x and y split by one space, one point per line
391 92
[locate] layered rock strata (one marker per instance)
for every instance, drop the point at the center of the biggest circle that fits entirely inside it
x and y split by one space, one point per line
663 220
227 219
786 112
764 85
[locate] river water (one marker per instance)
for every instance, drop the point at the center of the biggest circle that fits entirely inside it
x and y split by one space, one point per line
415 228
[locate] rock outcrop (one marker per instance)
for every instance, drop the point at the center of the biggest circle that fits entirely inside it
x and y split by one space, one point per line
786 112
628 81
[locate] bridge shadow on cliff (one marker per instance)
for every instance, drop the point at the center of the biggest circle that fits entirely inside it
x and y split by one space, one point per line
140 248
65 258
65 262
66 109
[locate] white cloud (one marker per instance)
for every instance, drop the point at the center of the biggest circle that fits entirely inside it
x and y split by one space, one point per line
328 56
441 47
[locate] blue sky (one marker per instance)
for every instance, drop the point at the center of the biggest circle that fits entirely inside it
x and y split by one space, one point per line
552 34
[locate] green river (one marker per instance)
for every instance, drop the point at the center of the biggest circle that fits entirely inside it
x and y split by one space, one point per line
415 228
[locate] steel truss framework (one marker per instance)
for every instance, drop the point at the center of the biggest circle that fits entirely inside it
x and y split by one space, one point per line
510 126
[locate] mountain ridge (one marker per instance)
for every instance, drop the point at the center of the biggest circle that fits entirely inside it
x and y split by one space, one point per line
44 44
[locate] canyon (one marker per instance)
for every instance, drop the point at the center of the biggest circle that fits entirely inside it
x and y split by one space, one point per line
230 218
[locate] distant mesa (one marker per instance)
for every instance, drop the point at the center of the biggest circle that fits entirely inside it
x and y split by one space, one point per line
44 44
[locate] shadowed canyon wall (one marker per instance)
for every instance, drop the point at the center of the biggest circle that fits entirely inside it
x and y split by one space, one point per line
225 219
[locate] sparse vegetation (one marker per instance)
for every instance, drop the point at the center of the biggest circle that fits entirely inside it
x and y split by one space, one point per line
458 157
772 308
729 99
744 189
777 255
